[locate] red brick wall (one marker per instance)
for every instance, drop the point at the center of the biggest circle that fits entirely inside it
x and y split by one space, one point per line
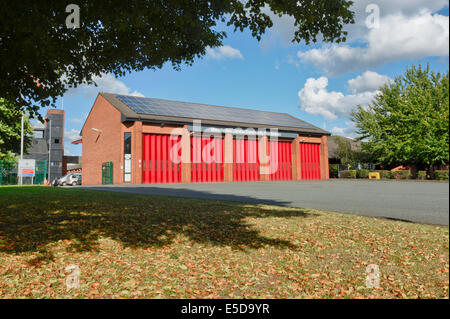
64 165
106 146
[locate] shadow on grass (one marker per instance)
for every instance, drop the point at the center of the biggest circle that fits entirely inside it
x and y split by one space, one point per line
32 217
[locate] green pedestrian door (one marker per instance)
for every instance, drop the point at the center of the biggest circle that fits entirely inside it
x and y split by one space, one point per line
40 172
107 173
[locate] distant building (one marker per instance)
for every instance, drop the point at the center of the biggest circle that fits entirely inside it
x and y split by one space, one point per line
43 141
71 164
333 146
38 149
54 121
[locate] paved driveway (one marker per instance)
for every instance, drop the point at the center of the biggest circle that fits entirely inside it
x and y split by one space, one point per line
425 202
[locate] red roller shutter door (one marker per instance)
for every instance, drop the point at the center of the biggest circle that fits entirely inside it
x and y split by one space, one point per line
310 161
157 154
282 151
245 160
206 159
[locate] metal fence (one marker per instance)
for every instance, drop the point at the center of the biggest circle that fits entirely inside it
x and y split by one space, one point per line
8 173
335 169
356 166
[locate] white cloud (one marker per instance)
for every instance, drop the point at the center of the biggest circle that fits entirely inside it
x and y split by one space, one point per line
105 83
398 37
72 135
367 82
224 52
406 8
69 137
315 98
338 131
348 131
283 27
37 124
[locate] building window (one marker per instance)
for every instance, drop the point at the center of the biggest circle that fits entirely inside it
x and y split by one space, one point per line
127 143
56 140
127 157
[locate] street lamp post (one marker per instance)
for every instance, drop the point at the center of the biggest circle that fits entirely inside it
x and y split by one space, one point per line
21 149
49 147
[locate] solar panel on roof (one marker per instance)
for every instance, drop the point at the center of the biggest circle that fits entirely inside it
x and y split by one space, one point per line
159 107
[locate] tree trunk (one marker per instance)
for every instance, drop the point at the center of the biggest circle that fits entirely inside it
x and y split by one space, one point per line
413 168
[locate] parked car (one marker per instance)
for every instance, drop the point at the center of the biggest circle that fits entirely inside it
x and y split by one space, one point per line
77 180
55 182
69 179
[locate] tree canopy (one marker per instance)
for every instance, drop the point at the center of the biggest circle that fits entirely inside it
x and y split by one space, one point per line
10 128
346 153
408 122
120 36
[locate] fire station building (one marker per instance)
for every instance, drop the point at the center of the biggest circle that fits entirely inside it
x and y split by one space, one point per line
138 140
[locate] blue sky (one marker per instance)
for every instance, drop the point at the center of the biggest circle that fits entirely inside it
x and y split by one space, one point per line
320 83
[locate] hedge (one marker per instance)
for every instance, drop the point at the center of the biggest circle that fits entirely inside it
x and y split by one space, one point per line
441 175
363 173
384 174
334 170
348 173
402 174
422 175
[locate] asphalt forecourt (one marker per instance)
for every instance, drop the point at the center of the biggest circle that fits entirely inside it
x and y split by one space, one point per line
78 243
422 202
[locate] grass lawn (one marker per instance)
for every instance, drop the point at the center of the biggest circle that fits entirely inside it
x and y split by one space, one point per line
141 246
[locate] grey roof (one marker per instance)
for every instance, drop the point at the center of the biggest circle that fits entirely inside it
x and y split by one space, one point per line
38 146
71 166
73 159
333 145
36 125
142 108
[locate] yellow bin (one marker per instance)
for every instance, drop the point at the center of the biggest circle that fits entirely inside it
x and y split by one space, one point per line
374 175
